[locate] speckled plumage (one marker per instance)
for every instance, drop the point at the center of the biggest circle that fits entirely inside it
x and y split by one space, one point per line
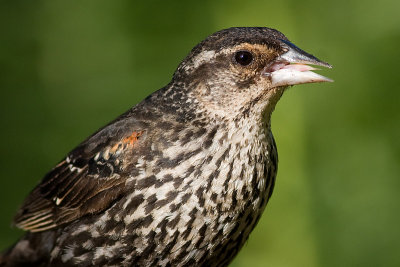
181 179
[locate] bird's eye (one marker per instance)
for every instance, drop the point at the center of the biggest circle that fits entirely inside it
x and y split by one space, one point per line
243 57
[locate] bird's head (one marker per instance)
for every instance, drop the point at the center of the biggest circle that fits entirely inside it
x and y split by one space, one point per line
240 70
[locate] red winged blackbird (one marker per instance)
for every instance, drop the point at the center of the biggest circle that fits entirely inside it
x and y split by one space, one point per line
180 179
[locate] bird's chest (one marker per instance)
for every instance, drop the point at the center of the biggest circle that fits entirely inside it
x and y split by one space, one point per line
222 185
237 196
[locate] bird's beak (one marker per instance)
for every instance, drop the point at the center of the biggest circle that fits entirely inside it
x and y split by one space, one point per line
292 67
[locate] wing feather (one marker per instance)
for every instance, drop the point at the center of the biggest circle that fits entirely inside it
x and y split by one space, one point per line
87 181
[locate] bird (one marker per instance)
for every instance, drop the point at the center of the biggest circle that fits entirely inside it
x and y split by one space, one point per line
181 178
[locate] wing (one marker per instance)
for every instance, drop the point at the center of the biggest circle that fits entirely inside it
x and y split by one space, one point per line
90 179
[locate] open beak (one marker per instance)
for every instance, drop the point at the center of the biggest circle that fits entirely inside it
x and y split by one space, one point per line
292 67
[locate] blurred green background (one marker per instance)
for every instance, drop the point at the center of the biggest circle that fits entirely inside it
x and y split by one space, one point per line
69 67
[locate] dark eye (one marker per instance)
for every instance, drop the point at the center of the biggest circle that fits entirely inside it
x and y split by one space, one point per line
243 57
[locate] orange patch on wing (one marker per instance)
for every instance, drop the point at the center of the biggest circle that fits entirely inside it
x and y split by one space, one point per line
127 141
132 139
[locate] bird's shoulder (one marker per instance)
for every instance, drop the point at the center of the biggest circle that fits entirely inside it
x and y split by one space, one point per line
91 177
